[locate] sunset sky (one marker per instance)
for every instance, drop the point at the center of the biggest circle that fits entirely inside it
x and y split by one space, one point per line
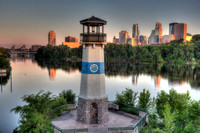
29 21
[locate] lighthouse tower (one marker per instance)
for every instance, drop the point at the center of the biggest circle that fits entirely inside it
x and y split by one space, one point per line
92 100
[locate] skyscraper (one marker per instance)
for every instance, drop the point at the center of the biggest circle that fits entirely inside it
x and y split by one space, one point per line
52 38
158 33
171 28
180 31
151 37
143 40
123 36
135 32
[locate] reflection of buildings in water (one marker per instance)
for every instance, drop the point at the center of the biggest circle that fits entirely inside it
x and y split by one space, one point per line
174 83
72 70
177 83
52 73
157 81
135 79
34 61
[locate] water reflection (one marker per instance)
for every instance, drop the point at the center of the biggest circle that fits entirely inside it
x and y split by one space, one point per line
175 73
52 73
135 79
30 77
4 76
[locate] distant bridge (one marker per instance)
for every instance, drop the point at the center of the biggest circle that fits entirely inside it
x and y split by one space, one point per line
22 53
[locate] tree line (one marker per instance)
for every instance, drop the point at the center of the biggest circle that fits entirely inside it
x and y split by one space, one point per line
4 61
176 51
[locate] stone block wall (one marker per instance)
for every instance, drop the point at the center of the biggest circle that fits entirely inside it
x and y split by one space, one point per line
85 111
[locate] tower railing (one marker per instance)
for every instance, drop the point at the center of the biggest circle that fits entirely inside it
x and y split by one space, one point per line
92 37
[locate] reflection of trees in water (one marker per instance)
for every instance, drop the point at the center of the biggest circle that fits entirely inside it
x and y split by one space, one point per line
175 73
5 78
60 64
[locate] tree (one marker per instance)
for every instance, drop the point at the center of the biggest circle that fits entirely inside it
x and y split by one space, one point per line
196 38
37 114
128 97
69 96
168 119
144 100
4 63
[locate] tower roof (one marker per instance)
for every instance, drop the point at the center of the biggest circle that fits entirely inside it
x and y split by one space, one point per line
93 21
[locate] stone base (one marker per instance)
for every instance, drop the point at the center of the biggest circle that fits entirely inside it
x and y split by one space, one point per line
92 111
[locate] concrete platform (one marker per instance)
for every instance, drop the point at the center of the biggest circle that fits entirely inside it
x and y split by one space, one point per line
116 119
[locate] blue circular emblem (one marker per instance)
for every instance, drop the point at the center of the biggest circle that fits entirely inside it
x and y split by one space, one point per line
94 68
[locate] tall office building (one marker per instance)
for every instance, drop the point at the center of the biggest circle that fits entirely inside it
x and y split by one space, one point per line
52 38
171 28
143 40
123 36
180 31
135 32
158 33
151 37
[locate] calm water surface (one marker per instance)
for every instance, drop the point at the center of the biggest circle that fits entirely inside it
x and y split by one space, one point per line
30 77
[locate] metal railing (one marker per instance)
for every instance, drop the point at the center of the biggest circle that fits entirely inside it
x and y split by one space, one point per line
141 122
92 37
69 130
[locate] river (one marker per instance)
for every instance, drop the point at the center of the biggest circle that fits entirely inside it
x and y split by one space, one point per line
29 77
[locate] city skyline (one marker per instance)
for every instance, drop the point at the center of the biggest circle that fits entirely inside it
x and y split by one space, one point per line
28 22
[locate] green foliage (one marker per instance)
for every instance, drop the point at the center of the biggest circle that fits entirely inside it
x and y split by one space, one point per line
168 119
144 100
57 52
128 97
196 38
69 96
3 52
4 63
176 51
168 113
176 101
37 114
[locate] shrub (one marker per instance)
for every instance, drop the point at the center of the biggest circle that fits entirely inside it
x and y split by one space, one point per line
69 96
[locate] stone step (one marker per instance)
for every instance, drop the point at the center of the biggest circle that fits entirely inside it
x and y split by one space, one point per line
98 130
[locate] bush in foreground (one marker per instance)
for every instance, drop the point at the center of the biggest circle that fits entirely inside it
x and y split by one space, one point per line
36 115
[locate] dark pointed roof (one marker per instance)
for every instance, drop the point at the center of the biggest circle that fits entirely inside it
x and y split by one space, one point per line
93 21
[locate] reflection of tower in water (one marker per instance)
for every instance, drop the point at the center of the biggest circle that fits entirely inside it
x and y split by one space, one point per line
52 73
135 79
